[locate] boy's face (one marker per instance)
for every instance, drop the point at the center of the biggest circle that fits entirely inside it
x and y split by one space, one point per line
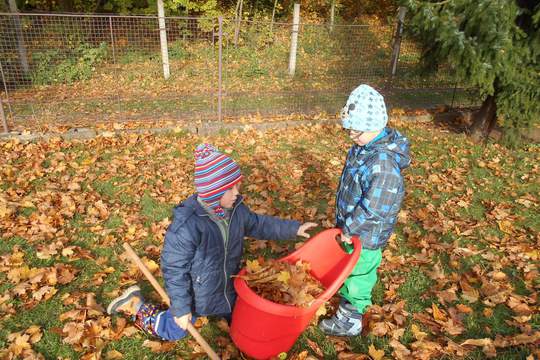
229 197
363 137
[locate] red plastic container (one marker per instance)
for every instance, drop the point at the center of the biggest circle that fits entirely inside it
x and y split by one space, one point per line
261 328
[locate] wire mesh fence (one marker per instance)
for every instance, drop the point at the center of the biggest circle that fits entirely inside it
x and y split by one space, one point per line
81 69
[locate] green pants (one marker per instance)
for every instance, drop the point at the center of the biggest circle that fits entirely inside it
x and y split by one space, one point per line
358 286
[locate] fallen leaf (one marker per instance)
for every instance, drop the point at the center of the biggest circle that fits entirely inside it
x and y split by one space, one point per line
417 333
464 308
374 353
284 276
400 351
315 347
113 355
438 314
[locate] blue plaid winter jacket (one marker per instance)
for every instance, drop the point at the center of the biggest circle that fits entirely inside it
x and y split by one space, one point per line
371 188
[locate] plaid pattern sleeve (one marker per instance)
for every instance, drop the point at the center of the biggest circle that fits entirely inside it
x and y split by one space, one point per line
375 214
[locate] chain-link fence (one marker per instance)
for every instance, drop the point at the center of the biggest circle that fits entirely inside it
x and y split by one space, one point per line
81 69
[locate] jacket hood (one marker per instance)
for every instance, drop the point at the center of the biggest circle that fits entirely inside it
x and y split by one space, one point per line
394 144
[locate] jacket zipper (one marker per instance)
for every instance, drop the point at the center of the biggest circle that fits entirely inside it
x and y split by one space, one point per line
226 242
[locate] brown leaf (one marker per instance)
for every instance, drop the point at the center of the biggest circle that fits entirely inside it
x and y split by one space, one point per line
477 342
453 328
352 356
400 351
120 326
315 347
158 346
469 293
258 245
223 325
35 333
18 343
379 329
339 344
447 296
464 308
91 304
201 321
73 332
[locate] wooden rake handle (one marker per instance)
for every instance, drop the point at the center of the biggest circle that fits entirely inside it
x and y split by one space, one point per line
133 257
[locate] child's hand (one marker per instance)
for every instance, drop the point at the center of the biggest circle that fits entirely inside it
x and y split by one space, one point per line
183 321
346 239
304 227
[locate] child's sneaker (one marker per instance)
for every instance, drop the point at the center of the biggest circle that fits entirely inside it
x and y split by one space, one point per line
346 322
128 303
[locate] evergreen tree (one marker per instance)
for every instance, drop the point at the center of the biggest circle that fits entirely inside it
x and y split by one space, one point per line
493 45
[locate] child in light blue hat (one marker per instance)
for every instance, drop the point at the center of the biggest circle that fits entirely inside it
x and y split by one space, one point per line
368 200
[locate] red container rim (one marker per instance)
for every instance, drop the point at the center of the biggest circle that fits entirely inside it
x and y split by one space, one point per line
245 292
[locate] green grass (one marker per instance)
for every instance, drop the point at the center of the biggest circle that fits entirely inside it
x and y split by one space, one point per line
153 210
415 290
143 198
478 325
113 222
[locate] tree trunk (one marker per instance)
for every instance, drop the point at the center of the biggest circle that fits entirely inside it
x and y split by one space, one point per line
484 120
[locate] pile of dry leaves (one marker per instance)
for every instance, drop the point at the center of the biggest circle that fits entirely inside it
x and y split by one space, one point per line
282 282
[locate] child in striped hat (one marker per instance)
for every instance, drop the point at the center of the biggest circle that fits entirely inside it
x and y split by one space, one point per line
203 249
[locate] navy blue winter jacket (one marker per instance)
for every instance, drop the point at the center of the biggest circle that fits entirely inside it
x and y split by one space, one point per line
197 264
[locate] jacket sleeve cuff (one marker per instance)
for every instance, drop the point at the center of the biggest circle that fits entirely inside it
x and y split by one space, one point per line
294 228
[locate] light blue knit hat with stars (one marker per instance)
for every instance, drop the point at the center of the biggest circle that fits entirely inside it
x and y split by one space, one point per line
365 110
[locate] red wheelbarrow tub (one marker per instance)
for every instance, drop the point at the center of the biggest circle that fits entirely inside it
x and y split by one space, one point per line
261 328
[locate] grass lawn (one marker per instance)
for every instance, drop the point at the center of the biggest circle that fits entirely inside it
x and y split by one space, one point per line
459 278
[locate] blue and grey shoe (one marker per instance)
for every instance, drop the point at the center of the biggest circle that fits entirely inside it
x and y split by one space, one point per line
346 322
129 302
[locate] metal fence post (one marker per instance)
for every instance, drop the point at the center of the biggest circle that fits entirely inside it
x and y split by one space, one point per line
6 89
396 41
3 116
23 55
220 66
294 39
163 39
112 39
332 15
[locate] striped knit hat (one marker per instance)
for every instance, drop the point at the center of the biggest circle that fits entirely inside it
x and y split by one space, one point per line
215 173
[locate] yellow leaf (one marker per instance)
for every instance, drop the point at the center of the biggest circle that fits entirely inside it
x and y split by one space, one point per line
437 313
374 353
151 264
113 355
505 226
68 251
27 204
321 310
253 266
418 334
284 276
